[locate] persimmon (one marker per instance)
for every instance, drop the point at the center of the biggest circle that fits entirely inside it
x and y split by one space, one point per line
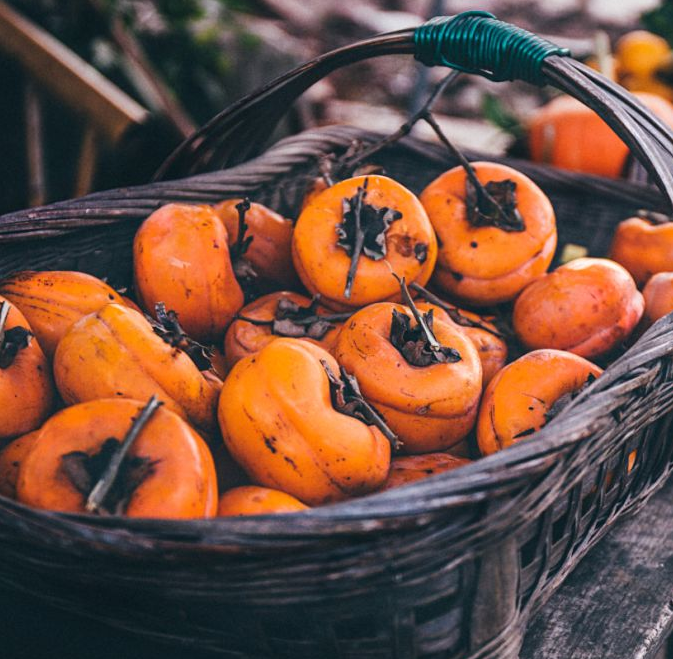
115 352
658 295
488 252
587 306
167 472
644 245
279 314
26 385
255 500
527 393
486 337
52 301
422 375
270 235
11 457
181 258
567 134
293 424
410 468
350 238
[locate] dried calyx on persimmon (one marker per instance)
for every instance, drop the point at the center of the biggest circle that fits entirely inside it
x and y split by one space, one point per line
644 245
181 258
116 353
119 457
526 394
279 422
496 230
285 314
26 387
423 377
52 301
353 234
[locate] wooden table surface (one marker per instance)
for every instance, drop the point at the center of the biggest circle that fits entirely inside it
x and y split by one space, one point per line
617 604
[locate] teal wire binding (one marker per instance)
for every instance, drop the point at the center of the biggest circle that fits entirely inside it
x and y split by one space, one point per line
477 42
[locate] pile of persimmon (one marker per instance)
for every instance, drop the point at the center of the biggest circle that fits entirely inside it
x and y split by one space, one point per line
262 364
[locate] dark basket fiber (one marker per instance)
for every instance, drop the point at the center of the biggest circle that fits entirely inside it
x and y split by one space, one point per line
449 567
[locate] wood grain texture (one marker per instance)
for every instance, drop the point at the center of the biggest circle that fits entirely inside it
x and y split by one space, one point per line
618 603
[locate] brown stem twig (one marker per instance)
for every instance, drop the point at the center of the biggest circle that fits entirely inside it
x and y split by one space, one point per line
4 312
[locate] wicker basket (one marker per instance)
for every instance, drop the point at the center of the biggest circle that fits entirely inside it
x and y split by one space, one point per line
448 567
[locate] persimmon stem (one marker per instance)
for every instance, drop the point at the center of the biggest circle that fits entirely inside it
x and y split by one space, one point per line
418 316
359 239
4 312
242 243
102 488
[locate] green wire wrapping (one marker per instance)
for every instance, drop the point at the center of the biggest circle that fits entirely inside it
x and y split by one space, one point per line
477 42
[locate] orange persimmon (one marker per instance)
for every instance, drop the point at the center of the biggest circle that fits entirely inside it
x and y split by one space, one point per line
11 457
168 471
658 295
115 352
350 238
525 394
52 301
270 251
26 385
643 247
181 258
255 500
588 306
489 261
429 399
275 315
410 468
280 419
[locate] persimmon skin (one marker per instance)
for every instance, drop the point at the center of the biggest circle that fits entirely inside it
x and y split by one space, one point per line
323 266
406 469
658 295
115 353
243 338
11 457
518 397
52 301
270 252
26 386
183 484
491 348
587 306
643 248
486 265
181 258
277 421
255 500
430 408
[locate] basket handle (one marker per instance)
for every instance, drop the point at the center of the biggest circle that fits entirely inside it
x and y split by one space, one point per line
475 42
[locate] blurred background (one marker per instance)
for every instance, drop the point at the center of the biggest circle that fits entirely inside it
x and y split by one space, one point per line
96 93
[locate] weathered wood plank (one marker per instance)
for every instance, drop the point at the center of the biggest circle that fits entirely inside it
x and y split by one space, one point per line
618 603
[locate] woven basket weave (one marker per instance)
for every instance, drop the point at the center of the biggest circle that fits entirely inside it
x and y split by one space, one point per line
448 567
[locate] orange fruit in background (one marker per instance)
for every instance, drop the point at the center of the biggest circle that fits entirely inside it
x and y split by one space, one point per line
255 500
658 294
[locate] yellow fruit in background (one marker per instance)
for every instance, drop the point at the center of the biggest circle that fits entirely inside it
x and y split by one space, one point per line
639 53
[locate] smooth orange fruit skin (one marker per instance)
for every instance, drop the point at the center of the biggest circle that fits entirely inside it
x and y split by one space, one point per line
115 353
270 251
491 348
243 339
411 468
26 386
486 265
183 484
643 248
11 457
255 500
658 294
181 258
430 408
52 301
323 266
567 134
588 307
518 397
277 421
